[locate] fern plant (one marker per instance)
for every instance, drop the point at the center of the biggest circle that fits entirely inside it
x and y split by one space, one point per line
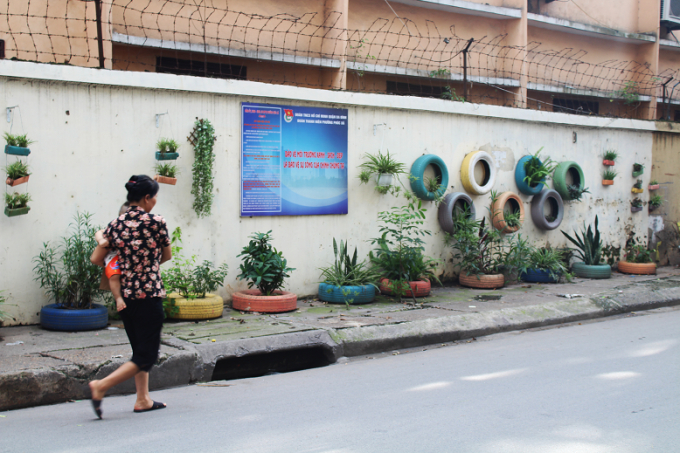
589 244
203 139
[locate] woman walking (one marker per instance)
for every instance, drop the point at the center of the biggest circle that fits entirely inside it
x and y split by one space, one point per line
143 244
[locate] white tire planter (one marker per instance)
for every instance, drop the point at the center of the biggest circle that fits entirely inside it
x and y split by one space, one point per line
467 172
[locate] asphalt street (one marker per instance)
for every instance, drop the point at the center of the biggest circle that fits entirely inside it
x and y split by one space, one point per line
609 385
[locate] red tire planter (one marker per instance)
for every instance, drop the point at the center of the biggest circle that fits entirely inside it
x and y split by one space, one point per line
253 300
482 281
421 288
637 268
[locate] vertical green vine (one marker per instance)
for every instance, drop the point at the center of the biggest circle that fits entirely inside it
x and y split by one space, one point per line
203 139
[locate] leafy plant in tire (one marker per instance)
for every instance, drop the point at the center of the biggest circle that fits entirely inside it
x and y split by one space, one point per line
263 265
347 271
551 260
17 140
477 248
637 253
589 244
576 192
538 172
203 139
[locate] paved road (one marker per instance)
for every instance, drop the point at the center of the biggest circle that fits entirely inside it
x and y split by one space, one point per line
607 386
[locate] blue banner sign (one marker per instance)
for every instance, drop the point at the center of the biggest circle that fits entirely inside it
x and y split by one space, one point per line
293 160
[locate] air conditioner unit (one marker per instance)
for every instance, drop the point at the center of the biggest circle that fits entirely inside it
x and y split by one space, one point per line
670 14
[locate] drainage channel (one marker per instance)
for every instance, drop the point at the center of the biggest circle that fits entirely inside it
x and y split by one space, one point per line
257 365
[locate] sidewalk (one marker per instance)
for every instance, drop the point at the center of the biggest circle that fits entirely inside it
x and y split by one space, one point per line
43 367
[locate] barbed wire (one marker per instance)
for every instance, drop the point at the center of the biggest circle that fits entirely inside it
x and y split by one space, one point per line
396 56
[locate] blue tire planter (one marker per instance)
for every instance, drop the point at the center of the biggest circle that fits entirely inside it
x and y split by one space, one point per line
538 276
520 174
54 318
358 294
440 171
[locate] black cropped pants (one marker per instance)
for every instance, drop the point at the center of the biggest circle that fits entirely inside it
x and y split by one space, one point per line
143 321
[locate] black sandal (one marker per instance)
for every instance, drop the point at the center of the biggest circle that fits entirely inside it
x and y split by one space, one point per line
97 406
154 406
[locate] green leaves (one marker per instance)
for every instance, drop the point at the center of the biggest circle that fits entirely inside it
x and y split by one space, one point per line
589 244
17 200
382 163
202 185
536 171
263 265
17 140
348 271
17 170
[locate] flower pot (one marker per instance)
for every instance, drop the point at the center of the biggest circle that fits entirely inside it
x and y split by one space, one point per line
16 182
165 180
635 208
592 271
166 156
17 150
421 288
653 187
482 281
253 300
636 190
637 268
653 208
53 317
16 211
637 173
607 182
539 276
608 163
520 174
384 179
346 294
208 307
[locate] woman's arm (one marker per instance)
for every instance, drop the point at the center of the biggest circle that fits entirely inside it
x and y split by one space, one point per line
166 254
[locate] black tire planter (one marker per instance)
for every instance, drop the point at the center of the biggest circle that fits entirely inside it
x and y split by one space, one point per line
559 178
520 174
447 207
357 294
54 318
539 276
418 170
592 271
554 200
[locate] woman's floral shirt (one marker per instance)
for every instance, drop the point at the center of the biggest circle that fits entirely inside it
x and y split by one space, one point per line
139 237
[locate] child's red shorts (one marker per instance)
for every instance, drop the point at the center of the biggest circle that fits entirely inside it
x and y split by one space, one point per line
112 268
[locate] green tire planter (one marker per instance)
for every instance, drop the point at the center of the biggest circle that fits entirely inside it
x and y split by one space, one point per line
17 150
592 271
17 211
559 178
418 170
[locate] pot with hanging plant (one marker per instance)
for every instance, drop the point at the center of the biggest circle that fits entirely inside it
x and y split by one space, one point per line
17 173
203 138
609 158
166 173
638 169
17 145
637 187
655 202
531 173
266 269
653 185
636 205
383 167
589 248
608 177
348 280
16 204
167 149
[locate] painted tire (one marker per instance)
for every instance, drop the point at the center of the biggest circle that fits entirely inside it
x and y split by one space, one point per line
448 205
54 318
520 174
538 276
482 281
211 306
637 268
560 174
499 216
538 205
422 288
358 294
467 172
592 271
253 300
418 170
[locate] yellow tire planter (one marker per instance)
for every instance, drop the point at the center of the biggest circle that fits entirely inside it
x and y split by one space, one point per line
467 172
209 307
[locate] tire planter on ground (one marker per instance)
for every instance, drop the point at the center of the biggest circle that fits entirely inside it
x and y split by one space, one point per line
520 174
421 288
447 207
418 182
592 271
637 268
499 215
336 294
253 300
538 208
539 276
54 318
209 307
482 281
559 178
467 172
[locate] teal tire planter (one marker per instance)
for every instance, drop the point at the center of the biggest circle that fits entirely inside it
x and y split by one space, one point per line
54 318
346 294
166 156
418 170
452 202
520 174
560 175
539 276
17 150
591 271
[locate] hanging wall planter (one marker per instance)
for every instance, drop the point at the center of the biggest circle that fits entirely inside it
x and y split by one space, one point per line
384 179
607 182
520 174
531 173
560 179
467 172
17 145
454 203
653 187
638 169
165 180
422 188
608 163
166 156
16 211
635 208
15 182
553 219
636 190
609 158
167 149
499 216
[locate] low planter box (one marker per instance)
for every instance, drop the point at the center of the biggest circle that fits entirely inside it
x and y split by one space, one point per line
253 300
165 180
608 163
15 182
636 190
420 288
637 268
17 150
607 182
482 281
16 211
653 187
166 156
635 208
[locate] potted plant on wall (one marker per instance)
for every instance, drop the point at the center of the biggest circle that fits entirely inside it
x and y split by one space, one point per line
653 185
399 255
166 174
167 149
383 168
638 259
589 248
636 205
348 280
203 138
637 187
16 204
531 173
17 173
265 268
71 281
638 169
608 177
190 286
17 145
609 158
655 202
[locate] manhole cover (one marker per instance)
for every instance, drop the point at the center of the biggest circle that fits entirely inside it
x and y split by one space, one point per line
485 298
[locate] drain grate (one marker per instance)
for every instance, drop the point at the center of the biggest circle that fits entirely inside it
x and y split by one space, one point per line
485 298
256 365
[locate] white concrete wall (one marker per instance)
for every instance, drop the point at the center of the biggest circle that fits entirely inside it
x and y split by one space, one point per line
82 159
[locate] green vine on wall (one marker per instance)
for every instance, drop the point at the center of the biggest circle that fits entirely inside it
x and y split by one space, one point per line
203 139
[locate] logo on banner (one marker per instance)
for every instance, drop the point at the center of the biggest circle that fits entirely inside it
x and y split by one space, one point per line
288 115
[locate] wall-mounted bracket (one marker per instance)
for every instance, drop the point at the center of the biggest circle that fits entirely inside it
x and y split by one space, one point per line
158 119
10 111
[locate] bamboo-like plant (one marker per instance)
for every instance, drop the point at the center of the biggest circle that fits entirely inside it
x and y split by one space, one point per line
610 155
167 145
589 244
167 170
17 140
17 170
347 271
17 200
